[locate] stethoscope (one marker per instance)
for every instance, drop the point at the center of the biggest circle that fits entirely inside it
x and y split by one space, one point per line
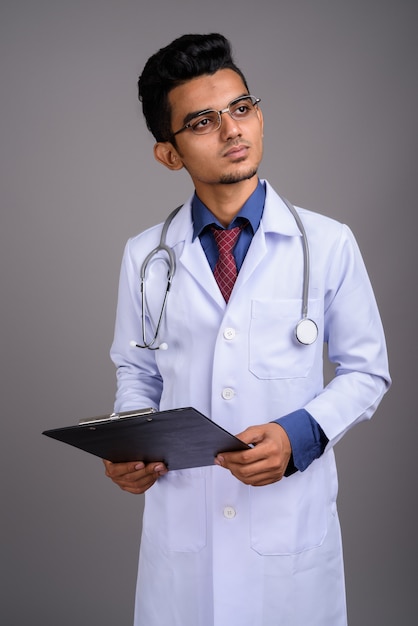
306 330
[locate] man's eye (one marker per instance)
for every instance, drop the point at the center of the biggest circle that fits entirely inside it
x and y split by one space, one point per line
242 109
202 123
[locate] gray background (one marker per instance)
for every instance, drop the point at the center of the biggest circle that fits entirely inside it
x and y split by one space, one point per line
338 83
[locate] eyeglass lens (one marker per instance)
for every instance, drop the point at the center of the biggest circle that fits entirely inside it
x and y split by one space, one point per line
209 121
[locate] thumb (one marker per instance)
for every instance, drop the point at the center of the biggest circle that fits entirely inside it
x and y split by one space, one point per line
252 434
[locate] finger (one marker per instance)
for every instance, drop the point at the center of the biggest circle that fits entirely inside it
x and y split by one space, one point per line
244 457
156 468
252 468
114 470
137 483
134 477
258 475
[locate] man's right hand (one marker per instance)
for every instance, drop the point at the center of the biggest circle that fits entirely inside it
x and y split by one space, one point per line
135 477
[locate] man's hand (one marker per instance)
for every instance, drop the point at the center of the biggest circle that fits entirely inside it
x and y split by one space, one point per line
134 477
264 464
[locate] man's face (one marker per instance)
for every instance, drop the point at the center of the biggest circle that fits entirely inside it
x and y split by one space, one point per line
228 155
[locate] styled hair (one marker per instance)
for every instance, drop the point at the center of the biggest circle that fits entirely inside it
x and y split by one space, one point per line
185 58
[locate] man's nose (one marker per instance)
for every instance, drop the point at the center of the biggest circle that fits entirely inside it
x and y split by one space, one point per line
229 127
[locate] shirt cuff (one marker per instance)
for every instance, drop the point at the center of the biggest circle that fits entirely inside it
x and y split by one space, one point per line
307 439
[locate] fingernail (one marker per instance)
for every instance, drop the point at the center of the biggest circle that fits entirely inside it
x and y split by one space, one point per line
139 466
159 468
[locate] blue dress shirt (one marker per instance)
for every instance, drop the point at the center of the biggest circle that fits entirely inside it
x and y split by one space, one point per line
307 438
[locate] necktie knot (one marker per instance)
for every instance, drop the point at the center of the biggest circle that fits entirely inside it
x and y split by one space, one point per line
225 271
226 239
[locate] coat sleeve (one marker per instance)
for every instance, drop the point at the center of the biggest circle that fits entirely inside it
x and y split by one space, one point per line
139 383
356 344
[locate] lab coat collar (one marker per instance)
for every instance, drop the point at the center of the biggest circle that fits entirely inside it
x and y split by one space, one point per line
276 219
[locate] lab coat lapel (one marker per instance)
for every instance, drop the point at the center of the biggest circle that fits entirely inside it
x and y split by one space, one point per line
195 262
256 253
190 254
277 220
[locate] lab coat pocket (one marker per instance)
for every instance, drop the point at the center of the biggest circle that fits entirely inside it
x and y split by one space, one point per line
290 516
274 351
175 511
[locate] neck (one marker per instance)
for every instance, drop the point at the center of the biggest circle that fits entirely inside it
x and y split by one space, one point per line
226 200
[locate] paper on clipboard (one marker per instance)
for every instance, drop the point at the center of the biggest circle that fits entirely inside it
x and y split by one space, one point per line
181 438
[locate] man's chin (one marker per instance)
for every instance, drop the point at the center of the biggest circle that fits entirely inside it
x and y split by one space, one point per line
237 177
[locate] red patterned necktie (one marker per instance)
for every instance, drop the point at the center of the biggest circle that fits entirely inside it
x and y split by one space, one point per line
225 271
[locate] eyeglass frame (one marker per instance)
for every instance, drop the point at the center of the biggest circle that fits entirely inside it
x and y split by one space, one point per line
255 101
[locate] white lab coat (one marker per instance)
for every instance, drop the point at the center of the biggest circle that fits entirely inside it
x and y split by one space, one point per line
215 552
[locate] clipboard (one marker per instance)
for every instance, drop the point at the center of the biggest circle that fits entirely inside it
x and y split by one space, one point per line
181 438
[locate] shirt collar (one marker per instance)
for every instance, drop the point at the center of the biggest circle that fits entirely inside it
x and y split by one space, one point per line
251 212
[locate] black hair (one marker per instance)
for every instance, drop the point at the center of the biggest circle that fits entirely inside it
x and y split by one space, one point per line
184 58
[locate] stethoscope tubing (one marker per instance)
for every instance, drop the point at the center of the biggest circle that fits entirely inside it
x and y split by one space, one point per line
306 330
171 265
306 259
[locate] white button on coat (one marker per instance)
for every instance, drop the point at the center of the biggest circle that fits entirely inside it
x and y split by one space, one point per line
229 333
229 512
228 393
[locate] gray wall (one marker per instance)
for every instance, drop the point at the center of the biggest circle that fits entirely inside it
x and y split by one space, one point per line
338 82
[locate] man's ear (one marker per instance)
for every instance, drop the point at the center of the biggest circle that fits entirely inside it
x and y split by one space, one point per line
261 118
165 153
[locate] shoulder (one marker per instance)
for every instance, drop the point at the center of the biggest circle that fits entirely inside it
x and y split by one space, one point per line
326 231
318 222
175 227
317 225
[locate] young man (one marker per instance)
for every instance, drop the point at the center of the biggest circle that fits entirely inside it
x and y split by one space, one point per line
253 540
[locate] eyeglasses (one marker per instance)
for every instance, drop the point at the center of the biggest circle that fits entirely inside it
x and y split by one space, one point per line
210 120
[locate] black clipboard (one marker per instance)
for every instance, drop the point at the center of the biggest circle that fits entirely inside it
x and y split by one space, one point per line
181 438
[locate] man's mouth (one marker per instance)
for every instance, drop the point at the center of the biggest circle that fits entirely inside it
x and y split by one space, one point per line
237 152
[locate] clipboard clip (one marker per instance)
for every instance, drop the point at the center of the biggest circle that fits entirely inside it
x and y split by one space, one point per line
114 417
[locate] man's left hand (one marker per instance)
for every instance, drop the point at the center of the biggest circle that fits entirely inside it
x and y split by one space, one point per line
263 464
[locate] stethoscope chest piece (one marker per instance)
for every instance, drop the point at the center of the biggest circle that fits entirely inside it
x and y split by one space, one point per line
306 331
